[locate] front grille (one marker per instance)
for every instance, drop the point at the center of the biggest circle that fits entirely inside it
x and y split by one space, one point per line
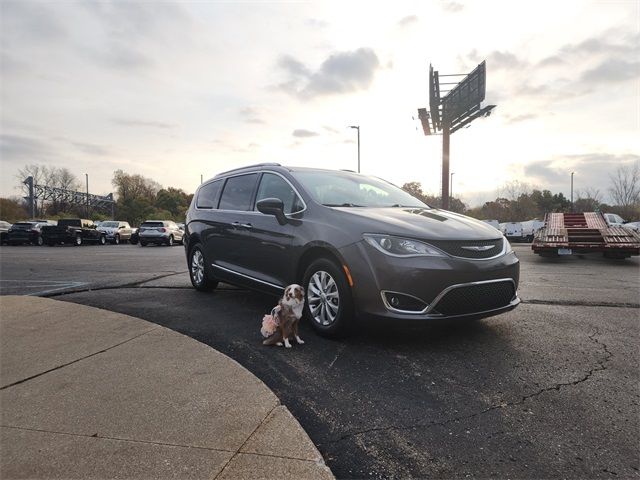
476 298
455 247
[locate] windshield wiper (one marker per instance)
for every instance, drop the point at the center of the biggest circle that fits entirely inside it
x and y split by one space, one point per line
341 205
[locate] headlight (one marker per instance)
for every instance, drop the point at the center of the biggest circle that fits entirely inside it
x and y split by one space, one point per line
507 246
401 247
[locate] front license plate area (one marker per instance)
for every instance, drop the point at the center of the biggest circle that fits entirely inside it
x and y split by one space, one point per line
564 251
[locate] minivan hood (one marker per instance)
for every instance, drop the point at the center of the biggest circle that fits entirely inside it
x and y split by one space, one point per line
425 223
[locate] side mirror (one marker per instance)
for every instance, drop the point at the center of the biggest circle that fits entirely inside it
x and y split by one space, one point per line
272 206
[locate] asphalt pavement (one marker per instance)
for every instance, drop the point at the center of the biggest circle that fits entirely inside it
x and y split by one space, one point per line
548 390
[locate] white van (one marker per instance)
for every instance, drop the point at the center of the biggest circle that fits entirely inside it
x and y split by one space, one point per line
530 227
513 231
494 223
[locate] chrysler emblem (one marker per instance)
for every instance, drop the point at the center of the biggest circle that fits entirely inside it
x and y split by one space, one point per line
479 248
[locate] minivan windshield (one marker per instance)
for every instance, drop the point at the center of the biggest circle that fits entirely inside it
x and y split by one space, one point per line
109 224
345 189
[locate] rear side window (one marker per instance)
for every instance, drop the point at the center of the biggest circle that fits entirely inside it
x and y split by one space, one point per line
152 224
274 186
208 195
237 192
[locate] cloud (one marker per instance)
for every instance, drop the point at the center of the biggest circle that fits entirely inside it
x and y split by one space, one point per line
302 133
331 129
610 71
407 21
92 149
592 170
520 118
34 21
316 23
576 69
18 147
128 122
251 115
452 7
341 73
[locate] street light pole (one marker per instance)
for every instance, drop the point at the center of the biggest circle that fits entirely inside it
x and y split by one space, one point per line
357 127
572 191
87 178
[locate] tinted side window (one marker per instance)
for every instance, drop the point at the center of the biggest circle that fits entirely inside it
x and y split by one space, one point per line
274 186
237 192
208 195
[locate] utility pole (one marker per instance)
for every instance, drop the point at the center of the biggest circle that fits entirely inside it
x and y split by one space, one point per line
201 180
357 127
87 177
572 191
451 185
445 166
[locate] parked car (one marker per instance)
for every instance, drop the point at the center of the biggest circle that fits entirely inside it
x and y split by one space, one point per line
635 226
134 236
72 230
164 232
614 220
4 228
358 245
116 231
26 232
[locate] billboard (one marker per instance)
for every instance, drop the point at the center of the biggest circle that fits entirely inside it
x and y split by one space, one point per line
434 99
465 98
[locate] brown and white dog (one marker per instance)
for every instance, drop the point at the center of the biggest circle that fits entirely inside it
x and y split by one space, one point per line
288 313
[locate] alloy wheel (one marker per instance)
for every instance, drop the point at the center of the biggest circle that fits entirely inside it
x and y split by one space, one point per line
197 267
323 298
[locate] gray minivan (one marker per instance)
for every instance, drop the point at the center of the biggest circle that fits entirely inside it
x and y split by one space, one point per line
359 246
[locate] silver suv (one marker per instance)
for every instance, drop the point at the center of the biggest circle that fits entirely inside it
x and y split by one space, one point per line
163 232
116 231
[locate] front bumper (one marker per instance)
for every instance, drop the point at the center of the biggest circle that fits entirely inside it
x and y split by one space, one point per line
430 280
21 237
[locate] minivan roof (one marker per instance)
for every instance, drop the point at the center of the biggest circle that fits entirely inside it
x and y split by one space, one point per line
260 166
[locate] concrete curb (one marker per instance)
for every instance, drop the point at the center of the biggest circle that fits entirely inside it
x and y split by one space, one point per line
89 393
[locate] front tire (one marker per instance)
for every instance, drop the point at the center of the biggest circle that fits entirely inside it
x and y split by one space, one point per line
198 272
143 244
39 241
170 241
328 306
78 241
116 240
103 240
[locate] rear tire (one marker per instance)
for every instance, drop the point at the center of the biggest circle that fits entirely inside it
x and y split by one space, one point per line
39 241
103 240
116 240
143 244
329 304
199 273
170 241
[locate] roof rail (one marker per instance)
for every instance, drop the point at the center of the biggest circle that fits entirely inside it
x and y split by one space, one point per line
267 164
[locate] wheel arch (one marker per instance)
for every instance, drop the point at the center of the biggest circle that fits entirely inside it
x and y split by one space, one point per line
313 252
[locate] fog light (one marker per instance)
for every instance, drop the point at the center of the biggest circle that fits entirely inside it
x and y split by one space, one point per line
404 302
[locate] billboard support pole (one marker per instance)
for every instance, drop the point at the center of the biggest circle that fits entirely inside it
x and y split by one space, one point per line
445 166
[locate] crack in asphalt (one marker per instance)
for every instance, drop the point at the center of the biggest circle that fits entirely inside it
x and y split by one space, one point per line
137 284
599 367
581 303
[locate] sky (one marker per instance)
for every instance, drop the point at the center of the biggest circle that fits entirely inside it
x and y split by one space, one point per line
173 91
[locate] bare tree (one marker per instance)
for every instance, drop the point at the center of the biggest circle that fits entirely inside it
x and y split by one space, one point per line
625 186
514 190
42 175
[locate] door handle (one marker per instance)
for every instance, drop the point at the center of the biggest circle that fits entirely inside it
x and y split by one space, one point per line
243 225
